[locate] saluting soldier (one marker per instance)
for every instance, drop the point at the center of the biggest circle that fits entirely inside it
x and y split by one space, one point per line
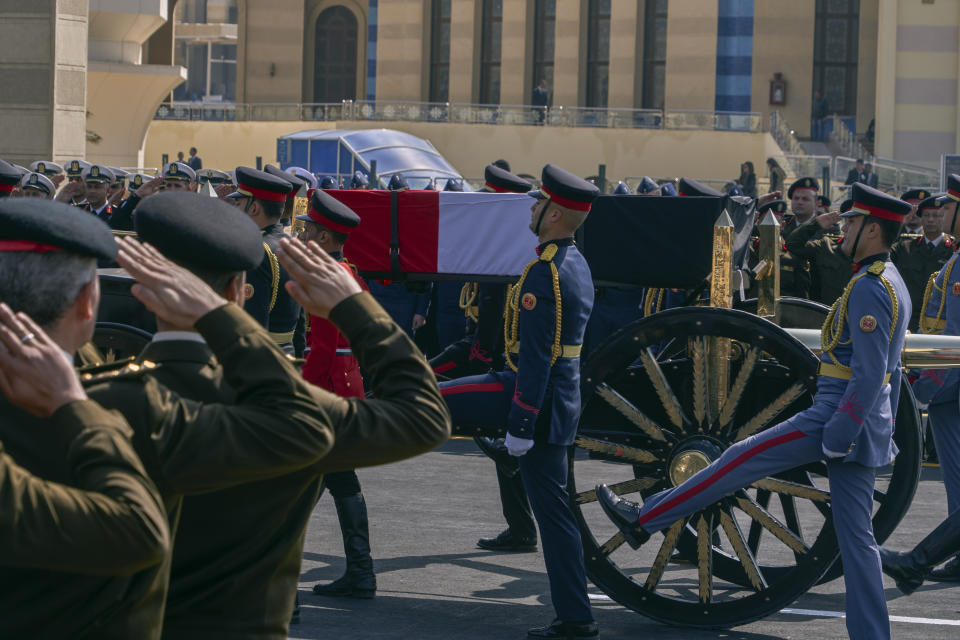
74 192
9 179
50 169
97 181
912 225
850 423
918 257
802 195
141 186
226 582
262 197
117 188
178 176
37 185
822 251
537 397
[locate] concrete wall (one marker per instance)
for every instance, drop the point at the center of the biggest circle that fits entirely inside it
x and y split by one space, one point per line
271 39
703 154
691 55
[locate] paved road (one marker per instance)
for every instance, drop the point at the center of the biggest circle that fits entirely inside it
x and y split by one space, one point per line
426 515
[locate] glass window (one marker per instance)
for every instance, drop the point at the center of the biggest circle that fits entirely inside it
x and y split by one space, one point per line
440 51
193 56
491 26
835 54
654 53
598 52
544 28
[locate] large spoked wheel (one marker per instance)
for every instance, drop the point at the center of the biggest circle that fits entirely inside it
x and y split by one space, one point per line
663 398
112 342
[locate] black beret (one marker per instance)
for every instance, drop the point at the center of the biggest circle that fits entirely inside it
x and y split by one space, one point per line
777 206
803 183
46 167
261 185
97 173
502 181
565 189
331 213
622 189
214 176
179 171
647 185
914 196
823 201
398 183
931 202
295 181
9 177
846 205
953 189
454 184
199 232
689 187
329 182
36 225
75 168
868 201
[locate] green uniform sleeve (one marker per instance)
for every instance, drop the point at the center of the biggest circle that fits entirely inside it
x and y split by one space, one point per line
112 523
805 239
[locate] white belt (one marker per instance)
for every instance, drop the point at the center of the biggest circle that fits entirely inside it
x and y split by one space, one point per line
345 352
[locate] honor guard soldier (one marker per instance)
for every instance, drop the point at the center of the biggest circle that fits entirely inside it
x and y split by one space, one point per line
48 168
398 183
37 185
74 192
296 183
823 204
453 184
850 423
940 389
331 365
802 195
141 186
262 197
177 176
359 181
328 182
9 179
304 175
912 225
648 187
97 181
622 189
820 256
213 176
537 398
919 257
118 188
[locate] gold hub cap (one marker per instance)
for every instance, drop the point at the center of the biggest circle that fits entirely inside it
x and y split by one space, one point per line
687 463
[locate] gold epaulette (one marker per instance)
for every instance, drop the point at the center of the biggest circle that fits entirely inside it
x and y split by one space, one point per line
877 267
121 370
274 276
935 324
468 298
833 328
511 312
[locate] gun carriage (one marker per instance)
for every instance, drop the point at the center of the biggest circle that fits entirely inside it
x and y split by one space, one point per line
662 397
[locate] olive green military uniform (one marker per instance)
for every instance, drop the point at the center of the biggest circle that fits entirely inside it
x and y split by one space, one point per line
829 267
794 273
276 427
112 523
236 563
916 259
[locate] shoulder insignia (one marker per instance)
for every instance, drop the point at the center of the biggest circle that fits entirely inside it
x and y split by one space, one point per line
100 366
247 291
868 323
123 370
956 288
548 253
529 301
877 268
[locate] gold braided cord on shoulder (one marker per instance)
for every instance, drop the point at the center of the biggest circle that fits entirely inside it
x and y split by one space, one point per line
468 296
833 328
931 324
653 301
274 276
557 349
894 306
511 310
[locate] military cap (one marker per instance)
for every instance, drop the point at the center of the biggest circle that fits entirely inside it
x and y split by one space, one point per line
454 184
23 170
96 173
38 181
565 189
931 202
303 174
622 189
667 189
689 187
9 177
119 176
179 171
398 183
647 185
359 181
200 233
75 168
846 205
260 185
868 201
137 180
295 181
502 181
823 201
331 213
953 190
214 176
37 226
46 167
913 196
777 206
803 183
329 182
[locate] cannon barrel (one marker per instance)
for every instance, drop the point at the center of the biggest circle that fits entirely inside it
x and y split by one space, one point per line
919 351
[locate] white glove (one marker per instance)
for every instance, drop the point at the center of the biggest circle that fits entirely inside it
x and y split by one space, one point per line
517 446
831 454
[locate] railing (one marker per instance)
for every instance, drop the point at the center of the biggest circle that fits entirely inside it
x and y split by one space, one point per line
784 135
892 175
375 110
845 138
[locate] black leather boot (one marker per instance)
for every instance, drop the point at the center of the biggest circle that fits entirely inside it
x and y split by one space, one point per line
358 581
624 514
910 569
496 450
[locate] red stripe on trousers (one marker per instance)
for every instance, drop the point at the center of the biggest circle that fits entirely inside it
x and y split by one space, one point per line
743 457
446 366
472 388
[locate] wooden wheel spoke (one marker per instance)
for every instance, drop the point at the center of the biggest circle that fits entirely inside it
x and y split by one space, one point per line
789 505
701 390
667 398
612 544
739 385
793 489
620 488
705 558
739 545
620 451
765 415
626 408
663 555
756 529
770 523
879 496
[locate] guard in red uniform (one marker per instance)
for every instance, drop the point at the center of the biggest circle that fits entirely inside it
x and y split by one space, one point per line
331 365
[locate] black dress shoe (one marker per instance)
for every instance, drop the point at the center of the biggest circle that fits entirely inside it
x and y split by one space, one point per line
496 450
903 568
561 629
624 514
506 541
949 572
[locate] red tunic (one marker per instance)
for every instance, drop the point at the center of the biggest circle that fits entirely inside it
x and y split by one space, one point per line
330 364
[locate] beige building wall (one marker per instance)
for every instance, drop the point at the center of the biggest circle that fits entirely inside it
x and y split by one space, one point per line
464 38
691 55
402 44
783 43
43 65
626 59
514 65
567 54
867 64
270 52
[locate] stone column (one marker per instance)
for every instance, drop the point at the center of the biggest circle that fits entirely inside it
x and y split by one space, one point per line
626 59
691 73
400 50
514 65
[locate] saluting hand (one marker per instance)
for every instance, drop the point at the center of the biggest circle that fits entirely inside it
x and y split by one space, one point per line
768 197
35 373
828 220
174 294
319 282
149 187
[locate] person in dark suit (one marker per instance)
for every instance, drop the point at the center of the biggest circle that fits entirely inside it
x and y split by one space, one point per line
856 173
540 100
869 177
194 162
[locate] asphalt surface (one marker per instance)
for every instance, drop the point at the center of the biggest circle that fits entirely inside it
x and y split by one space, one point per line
427 513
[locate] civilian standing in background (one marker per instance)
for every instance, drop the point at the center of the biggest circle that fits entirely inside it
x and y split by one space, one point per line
748 179
540 100
869 178
194 162
777 175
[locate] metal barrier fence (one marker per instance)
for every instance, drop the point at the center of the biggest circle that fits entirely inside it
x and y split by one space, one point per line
374 110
